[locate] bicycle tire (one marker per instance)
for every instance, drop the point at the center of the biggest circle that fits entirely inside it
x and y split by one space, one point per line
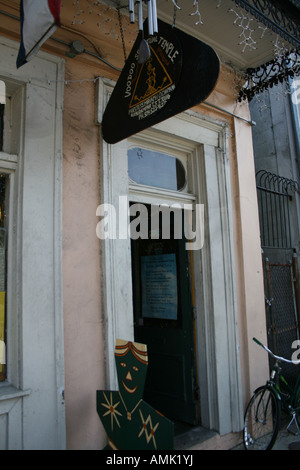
296 405
262 420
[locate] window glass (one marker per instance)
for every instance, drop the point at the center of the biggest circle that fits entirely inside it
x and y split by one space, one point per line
4 183
2 103
156 169
295 96
2 92
1 125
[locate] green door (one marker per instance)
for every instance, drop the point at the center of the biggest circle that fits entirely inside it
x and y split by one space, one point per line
163 318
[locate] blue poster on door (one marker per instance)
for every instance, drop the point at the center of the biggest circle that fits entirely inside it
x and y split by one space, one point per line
159 286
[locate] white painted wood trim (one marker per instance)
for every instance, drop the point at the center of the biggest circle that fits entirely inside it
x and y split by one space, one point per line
115 254
207 143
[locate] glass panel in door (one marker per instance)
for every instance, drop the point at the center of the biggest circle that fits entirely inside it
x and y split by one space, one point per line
163 318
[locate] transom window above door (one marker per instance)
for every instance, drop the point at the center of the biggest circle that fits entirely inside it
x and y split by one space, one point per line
156 169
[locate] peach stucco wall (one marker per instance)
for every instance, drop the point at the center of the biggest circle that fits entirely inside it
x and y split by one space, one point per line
84 345
84 349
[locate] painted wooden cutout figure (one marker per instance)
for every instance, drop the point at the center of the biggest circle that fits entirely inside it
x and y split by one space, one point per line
130 423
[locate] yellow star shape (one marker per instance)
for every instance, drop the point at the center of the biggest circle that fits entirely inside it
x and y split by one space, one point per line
111 410
144 429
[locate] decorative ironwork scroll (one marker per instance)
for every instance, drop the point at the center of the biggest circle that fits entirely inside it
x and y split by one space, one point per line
282 17
270 74
275 194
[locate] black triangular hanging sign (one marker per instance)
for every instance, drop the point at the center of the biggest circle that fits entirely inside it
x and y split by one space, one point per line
180 73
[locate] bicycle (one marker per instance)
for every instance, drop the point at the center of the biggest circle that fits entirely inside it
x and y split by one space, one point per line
263 413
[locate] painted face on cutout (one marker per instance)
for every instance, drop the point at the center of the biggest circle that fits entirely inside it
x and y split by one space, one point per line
131 362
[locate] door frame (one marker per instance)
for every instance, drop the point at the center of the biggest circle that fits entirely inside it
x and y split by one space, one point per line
218 366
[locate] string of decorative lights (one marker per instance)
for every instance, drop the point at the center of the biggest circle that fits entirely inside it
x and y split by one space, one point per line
197 12
244 22
135 7
284 65
151 10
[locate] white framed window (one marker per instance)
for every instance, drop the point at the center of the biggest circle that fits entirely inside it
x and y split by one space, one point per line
32 408
158 168
9 369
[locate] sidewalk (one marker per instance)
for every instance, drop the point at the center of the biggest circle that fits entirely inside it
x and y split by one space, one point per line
283 440
198 438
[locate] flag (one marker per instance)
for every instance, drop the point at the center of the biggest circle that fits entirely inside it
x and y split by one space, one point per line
39 20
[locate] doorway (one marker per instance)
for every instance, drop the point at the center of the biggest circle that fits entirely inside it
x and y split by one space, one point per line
163 313
200 144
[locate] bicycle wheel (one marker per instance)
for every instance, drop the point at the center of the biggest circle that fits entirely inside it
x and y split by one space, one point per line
262 420
296 406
